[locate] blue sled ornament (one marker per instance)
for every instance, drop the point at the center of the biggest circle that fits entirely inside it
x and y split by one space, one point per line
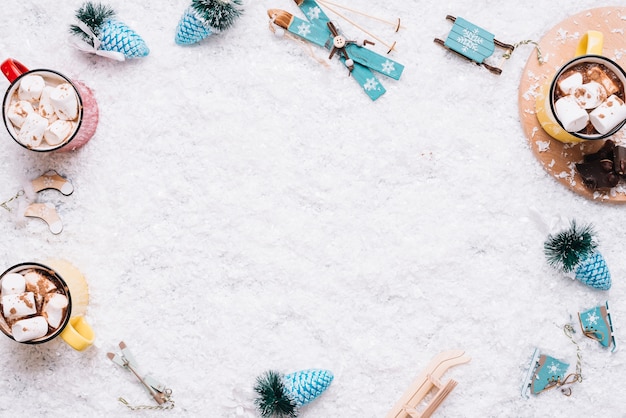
321 31
473 43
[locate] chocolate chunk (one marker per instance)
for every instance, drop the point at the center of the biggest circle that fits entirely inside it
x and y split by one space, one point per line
598 174
619 160
604 153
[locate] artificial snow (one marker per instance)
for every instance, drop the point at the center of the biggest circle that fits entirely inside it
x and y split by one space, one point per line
243 208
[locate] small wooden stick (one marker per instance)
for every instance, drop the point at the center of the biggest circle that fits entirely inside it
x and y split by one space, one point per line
438 399
391 47
396 24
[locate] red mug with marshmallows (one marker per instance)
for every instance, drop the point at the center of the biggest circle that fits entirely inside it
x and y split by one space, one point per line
44 111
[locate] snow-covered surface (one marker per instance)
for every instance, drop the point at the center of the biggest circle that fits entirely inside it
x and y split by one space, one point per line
243 207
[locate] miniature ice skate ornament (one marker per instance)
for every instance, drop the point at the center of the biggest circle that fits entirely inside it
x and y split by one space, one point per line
544 372
205 17
597 324
281 396
574 252
101 34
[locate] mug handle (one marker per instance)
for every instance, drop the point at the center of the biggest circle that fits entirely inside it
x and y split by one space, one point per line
12 69
78 334
590 43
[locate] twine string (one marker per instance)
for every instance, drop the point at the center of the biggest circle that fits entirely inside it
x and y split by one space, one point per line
507 54
168 404
5 204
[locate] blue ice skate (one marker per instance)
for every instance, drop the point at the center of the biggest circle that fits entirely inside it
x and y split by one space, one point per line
596 324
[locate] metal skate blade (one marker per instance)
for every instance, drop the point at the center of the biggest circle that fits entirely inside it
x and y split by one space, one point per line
530 373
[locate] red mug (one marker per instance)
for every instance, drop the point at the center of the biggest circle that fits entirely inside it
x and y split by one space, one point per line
83 126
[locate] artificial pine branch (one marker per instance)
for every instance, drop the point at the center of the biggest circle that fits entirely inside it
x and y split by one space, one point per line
219 14
273 401
566 249
93 15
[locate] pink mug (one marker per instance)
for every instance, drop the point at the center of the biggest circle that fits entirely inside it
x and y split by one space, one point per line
77 131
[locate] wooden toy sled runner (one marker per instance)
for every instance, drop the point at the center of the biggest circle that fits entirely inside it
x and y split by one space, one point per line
473 43
429 379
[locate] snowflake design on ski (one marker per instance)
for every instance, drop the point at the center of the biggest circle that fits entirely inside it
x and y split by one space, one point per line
304 29
313 13
592 318
470 40
388 67
554 368
48 181
370 84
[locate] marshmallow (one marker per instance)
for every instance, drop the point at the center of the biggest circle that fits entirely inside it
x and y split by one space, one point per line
58 131
31 87
64 100
18 112
590 95
19 305
596 74
29 329
572 116
31 133
45 105
13 283
54 309
570 83
37 283
608 115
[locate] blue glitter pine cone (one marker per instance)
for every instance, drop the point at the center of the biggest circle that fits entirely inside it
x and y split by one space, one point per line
205 17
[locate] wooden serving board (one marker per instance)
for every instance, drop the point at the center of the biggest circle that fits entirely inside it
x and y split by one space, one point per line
558 46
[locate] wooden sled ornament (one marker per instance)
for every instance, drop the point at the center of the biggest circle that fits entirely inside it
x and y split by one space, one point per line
428 380
473 43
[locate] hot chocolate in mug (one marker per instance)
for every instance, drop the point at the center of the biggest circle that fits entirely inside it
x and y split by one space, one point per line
36 307
585 98
43 110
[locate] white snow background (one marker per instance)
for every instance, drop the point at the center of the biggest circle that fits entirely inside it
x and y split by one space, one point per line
243 207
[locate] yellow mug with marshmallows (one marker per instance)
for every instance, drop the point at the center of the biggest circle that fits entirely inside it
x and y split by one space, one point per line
38 305
592 66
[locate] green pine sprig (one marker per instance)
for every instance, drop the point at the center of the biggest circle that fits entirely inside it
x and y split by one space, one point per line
93 15
566 249
219 14
273 401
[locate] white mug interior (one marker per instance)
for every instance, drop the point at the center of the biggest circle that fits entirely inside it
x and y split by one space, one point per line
52 79
598 59
59 282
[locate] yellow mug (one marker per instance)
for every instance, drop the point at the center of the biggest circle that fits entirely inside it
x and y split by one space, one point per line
589 50
41 322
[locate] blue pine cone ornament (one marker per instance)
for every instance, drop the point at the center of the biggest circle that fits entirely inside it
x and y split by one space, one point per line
205 17
281 396
574 251
104 35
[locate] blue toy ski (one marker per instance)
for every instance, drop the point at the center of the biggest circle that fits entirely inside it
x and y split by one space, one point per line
321 31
